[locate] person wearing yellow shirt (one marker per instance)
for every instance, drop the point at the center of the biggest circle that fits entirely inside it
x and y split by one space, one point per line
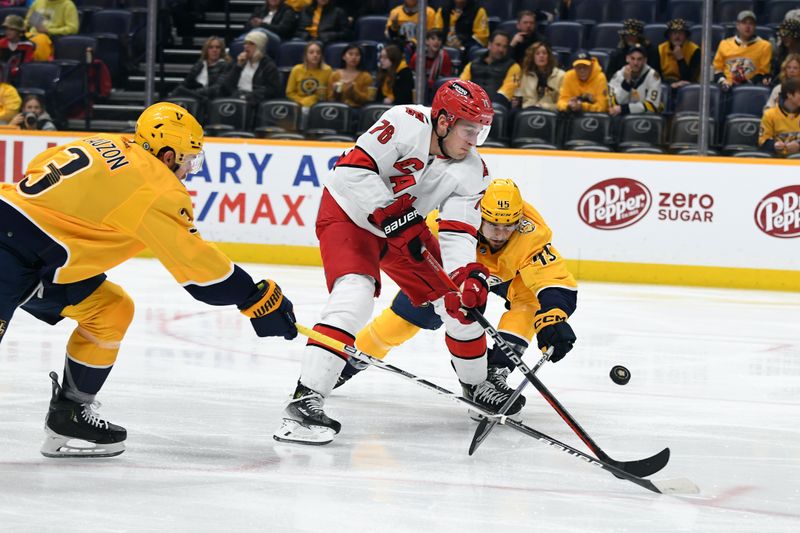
323 22
47 20
585 87
85 207
743 58
678 57
780 125
10 102
464 23
401 26
495 70
351 83
526 270
308 81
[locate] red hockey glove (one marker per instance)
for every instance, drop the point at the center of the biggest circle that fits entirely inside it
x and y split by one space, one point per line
472 281
404 227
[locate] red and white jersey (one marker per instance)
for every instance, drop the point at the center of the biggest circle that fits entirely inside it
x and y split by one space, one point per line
392 158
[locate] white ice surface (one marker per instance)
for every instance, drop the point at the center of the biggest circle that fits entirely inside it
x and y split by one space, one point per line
715 376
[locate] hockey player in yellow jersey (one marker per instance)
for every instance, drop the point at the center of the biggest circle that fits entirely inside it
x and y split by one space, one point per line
526 270
87 206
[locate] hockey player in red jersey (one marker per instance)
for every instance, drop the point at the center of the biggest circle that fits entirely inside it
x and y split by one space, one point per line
414 159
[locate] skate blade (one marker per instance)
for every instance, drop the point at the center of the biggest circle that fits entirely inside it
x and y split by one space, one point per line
477 417
56 446
295 432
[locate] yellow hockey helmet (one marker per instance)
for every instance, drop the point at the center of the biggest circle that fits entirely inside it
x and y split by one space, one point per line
168 125
502 202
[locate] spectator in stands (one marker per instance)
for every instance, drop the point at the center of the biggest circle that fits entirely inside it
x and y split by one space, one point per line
276 17
585 87
632 32
464 22
437 61
14 50
308 81
298 5
33 115
635 88
495 70
254 77
679 58
790 69
526 35
9 100
48 20
788 43
351 83
401 26
184 15
204 80
395 79
743 58
324 22
780 125
541 81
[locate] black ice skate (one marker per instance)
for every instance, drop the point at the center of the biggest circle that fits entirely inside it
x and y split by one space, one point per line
497 376
305 421
488 396
75 430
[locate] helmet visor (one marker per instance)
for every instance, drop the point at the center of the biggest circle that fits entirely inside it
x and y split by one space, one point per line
472 132
193 163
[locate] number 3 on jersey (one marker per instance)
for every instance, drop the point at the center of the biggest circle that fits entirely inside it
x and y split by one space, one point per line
78 161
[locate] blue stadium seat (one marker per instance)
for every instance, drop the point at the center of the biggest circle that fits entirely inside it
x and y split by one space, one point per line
533 5
278 116
587 129
684 132
535 126
687 100
227 114
74 47
740 134
775 10
369 51
6 11
728 10
717 34
644 10
474 53
117 21
499 130
369 115
747 101
291 53
192 105
566 34
646 129
689 10
655 33
587 10
333 54
110 51
236 47
508 26
371 28
100 4
602 57
328 118
39 77
498 8
605 35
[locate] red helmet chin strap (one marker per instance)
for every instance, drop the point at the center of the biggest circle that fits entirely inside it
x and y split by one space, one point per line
441 138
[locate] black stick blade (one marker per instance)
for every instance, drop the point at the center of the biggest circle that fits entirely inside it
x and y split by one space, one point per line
642 467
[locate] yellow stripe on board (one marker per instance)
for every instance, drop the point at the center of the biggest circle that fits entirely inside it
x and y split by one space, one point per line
700 276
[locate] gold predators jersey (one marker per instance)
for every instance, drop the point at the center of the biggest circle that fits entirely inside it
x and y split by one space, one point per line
737 59
779 125
104 199
528 263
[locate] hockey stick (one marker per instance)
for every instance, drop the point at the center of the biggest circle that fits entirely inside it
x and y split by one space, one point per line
641 468
666 486
486 425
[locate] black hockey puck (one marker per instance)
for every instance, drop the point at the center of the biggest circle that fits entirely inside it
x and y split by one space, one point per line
620 375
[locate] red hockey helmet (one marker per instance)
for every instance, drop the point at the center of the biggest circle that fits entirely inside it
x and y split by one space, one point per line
462 99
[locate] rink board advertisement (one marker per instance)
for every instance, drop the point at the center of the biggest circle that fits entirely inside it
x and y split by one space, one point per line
707 221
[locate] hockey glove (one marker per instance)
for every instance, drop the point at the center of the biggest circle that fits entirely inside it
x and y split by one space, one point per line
404 227
552 330
270 312
472 281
